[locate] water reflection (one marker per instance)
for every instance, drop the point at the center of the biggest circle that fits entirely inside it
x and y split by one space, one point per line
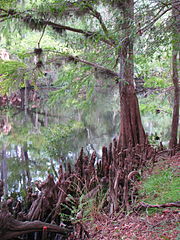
100 126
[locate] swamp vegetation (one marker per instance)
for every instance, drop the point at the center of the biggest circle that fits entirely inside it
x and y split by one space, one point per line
89 102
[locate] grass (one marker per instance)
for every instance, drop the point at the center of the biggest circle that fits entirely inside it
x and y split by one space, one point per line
160 188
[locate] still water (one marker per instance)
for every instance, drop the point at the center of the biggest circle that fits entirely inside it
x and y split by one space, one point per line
27 156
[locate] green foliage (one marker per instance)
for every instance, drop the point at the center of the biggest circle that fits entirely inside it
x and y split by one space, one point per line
83 208
59 137
86 208
76 81
7 3
155 103
161 188
154 69
75 86
11 75
155 82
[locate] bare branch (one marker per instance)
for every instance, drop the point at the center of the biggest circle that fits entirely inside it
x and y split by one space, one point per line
146 205
41 36
97 15
159 15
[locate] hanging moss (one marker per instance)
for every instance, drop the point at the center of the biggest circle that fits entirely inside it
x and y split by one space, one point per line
33 23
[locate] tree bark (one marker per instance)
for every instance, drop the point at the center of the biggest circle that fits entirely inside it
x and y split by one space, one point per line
4 170
175 67
131 128
11 228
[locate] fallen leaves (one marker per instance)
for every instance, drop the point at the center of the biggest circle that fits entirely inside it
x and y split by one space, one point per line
157 227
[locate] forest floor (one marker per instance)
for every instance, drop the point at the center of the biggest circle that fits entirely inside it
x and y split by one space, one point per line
163 224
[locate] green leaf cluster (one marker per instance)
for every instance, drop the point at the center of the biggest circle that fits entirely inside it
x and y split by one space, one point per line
11 75
75 86
7 3
155 82
155 102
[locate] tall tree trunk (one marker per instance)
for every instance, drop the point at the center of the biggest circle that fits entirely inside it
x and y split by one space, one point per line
175 67
131 128
4 170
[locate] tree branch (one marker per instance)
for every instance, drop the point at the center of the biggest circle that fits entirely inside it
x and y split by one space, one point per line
11 228
97 15
41 36
29 19
149 25
85 33
95 65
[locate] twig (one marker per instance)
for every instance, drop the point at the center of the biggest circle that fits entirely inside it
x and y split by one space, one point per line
97 15
173 204
42 36
149 25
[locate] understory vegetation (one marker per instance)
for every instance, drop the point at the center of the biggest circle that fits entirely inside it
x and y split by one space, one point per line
160 187
89 119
